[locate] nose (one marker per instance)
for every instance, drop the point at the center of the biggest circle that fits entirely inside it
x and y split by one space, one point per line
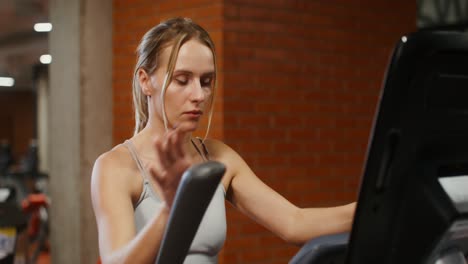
198 94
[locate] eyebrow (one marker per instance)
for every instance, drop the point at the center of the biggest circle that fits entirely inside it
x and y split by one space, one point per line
182 71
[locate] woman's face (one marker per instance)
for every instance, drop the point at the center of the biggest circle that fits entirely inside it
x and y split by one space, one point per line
191 86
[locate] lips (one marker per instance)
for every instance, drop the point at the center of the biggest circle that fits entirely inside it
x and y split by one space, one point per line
194 113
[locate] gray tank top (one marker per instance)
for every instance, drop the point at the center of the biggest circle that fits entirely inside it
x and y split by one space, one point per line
211 233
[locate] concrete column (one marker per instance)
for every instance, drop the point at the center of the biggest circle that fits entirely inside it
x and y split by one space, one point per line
80 120
42 115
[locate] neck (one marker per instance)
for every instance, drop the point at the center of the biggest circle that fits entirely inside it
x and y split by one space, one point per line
155 128
144 140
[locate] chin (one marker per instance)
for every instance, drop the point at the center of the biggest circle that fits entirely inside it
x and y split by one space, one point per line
191 126
192 129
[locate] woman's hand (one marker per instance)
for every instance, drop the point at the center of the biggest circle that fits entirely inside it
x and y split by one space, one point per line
171 162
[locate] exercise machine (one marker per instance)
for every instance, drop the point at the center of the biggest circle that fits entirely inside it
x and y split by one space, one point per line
413 200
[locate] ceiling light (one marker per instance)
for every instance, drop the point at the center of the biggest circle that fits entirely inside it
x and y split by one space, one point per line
45 59
7 81
43 27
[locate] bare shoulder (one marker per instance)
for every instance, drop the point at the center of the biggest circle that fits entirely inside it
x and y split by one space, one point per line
221 152
113 161
115 169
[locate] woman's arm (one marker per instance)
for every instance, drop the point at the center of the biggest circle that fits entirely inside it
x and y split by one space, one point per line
254 198
111 197
314 222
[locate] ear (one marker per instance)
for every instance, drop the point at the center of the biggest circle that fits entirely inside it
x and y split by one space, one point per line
145 82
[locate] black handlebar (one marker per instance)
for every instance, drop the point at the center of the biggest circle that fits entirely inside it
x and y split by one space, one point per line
194 194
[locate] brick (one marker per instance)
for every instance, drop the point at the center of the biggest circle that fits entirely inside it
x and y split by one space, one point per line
288 147
271 160
302 186
256 147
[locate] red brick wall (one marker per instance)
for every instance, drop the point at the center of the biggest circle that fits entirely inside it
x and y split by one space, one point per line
301 80
298 88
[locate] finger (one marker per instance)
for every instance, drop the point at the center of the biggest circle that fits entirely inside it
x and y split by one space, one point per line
176 138
170 149
183 128
178 145
161 155
182 131
155 173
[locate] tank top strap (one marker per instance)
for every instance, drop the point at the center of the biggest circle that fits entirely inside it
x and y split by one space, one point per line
205 149
133 152
204 153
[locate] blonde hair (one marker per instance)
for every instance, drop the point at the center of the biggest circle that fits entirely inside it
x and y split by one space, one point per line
173 32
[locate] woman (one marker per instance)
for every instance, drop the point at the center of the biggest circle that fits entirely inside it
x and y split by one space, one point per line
134 184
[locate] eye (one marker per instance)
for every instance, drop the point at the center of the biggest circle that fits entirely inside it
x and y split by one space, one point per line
182 80
206 81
